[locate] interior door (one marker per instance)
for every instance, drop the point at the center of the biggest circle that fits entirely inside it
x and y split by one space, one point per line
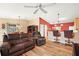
42 29
45 30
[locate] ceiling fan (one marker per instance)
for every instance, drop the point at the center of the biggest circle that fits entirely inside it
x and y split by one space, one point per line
39 7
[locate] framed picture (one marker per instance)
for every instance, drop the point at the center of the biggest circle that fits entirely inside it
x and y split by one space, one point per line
3 26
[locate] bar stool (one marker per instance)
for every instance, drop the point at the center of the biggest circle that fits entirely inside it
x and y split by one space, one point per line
57 34
69 35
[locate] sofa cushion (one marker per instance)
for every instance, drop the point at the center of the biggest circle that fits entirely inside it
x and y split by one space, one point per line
14 42
13 36
20 46
16 48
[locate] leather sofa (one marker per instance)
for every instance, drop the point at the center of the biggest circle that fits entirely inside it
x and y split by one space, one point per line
16 44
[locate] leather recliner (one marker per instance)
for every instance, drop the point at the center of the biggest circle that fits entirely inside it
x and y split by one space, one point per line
38 39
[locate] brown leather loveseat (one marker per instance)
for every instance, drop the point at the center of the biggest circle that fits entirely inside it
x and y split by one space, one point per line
16 44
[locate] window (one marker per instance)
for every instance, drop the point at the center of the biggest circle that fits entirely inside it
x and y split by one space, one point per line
11 28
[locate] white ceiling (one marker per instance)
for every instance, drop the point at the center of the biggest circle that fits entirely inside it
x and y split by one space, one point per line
68 11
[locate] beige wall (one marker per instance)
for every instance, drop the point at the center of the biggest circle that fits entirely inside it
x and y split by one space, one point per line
23 23
33 22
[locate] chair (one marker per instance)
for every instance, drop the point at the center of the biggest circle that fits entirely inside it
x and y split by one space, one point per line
57 34
75 49
39 40
68 34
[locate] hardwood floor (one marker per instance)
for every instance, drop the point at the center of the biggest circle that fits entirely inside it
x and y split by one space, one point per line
50 49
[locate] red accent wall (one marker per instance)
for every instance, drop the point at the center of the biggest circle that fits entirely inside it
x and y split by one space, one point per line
42 21
65 26
52 26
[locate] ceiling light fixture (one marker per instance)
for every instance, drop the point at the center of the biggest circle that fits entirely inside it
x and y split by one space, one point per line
58 22
58 25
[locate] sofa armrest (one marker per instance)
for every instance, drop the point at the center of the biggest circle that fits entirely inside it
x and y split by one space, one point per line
32 39
5 49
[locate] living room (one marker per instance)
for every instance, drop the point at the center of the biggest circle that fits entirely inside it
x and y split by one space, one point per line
39 29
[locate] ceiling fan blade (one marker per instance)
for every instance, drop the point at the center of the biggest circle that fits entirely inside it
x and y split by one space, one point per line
31 6
35 11
43 10
48 5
